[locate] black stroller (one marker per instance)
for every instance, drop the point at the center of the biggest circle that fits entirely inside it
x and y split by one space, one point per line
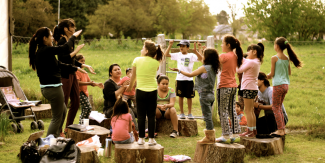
10 88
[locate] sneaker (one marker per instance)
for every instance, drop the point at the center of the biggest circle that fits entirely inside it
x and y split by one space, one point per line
221 140
232 140
190 116
174 134
152 142
182 116
141 141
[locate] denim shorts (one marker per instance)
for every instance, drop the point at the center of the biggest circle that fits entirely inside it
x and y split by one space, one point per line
127 141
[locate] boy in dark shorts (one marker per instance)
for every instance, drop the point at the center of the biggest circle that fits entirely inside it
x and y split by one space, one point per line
184 84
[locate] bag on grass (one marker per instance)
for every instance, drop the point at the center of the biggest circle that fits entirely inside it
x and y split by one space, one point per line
29 152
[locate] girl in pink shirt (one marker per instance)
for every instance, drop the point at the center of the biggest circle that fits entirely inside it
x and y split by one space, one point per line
121 123
227 88
250 70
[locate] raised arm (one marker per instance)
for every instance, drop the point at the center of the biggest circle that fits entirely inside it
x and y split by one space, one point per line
244 67
76 50
197 72
134 74
199 56
273 61
171 42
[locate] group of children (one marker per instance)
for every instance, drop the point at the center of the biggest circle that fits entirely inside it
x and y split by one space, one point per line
224 67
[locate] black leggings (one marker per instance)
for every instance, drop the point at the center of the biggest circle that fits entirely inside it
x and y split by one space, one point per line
146 106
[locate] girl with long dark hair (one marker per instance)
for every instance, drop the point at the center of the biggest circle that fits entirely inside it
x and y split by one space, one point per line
42 59
144 71
227 87
280 71
204 84
62 32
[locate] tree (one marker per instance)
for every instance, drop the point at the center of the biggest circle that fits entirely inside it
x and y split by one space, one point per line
292 19
75 9
223 17
234 22
31 15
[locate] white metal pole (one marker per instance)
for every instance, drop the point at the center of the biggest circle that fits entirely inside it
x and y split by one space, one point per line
59 12
162 42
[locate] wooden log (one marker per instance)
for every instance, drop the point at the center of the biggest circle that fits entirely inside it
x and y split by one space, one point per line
218 152
186 127
106 123
134 153
78 136
41 111
263 147
88 154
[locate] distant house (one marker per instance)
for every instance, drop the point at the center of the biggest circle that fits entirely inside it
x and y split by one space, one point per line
221 30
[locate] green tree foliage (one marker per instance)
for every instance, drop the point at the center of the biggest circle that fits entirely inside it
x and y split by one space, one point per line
31 15
222 17
75 9
144 17
295 19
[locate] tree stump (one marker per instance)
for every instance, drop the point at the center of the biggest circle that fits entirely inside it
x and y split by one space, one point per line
263 147
134 153
218 152
78 136
106 123
41 111
88 154
186 127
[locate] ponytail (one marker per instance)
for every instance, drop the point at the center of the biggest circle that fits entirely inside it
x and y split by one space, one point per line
259 47
284 44
36 40
58 30
235 44
153 52
293 57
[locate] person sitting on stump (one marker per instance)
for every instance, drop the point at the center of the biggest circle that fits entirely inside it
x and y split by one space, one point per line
267 123
165 103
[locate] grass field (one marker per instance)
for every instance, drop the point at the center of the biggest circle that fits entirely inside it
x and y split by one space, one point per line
303 103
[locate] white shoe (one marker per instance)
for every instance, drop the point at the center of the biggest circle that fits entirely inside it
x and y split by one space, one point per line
152 141
141 141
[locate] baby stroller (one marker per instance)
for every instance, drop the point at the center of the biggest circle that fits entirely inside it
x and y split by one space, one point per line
9 91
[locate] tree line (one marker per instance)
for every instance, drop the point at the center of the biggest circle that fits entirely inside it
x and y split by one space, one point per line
134 18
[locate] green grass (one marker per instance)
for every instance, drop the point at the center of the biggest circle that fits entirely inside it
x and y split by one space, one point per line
303 103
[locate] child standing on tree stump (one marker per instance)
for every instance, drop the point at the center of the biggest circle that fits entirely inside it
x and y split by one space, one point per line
184 84
280 71
204 84
84 81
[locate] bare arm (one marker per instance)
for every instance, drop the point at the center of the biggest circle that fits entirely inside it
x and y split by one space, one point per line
85 83
171 102
289 69
134 74
273 61
171 42
130 127
197 72
263 107
77 50
199 56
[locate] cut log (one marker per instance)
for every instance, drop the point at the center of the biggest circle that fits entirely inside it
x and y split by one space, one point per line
186 127
42 111
218 152
263 147
134 153
78 136
106 123
88 154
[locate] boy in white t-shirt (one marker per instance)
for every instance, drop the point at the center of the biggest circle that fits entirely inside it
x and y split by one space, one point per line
184 84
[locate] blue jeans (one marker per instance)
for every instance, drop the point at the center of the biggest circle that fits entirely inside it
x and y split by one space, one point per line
127 141
206 101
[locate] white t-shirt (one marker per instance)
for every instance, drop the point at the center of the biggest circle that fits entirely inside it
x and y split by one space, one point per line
185 63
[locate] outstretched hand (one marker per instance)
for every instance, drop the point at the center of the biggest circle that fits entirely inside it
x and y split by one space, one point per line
91 70
77 33
171 42
82 70
173 69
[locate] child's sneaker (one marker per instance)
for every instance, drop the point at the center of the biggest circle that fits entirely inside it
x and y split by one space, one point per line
190 116
141 141
182 116
152 142
174 134
221 140
232 140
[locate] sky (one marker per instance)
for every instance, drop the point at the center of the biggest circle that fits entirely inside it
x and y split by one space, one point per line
217 5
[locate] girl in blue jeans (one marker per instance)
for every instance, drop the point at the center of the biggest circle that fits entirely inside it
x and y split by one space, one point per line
204 84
